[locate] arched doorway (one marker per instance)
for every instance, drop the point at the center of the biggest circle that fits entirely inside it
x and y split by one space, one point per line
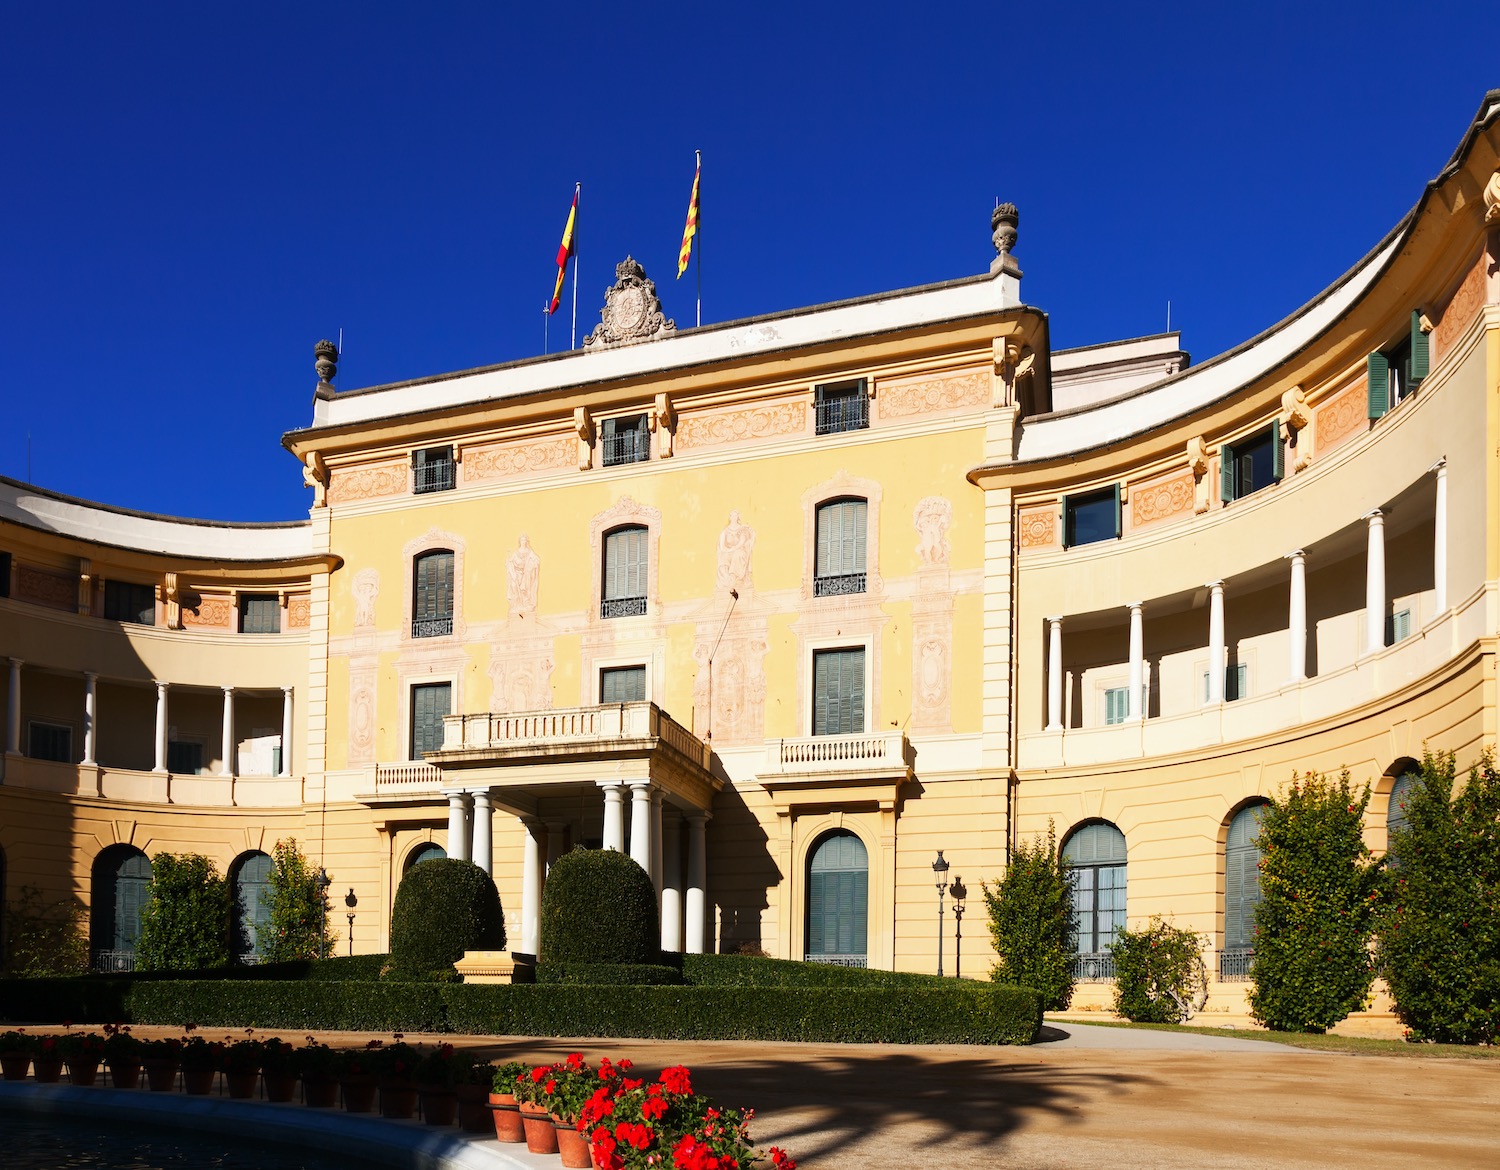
121 887
250 878
1095 854
838 901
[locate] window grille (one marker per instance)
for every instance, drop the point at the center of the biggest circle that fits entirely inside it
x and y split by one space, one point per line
841 406
433 470
625 440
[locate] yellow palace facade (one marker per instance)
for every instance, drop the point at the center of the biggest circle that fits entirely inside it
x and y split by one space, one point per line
783 607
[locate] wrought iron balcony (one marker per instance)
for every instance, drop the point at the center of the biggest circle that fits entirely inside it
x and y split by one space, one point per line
1234 964
839 960
431 627
436 476
843 412
614 607
839 585
633 446
110 962
1098 967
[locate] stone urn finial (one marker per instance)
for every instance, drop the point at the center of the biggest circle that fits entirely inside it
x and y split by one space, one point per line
327 363
1003 222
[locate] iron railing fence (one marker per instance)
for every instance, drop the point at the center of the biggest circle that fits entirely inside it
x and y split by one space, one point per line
838 585
845 412
626 447
436 476
431 627
1234 964
614 607
1098 967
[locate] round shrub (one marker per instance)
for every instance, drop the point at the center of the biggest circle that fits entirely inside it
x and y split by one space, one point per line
1159 974
599 906
443 908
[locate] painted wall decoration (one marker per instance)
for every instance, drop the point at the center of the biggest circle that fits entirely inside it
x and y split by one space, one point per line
714 428
1461 308
1038 525
1162 498
932 518
928 394
299 612
735 549
504 460
1341 416
362 716
371 482
43 588
209 612
523 573
366 588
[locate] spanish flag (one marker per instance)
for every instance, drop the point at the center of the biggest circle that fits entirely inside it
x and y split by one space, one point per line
564 251
691 229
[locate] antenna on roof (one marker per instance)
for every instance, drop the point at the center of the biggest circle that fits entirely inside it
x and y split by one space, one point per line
28 457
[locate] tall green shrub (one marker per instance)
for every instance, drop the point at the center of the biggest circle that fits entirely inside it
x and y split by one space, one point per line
45 938
1031 922
444 907
599 906
1439 932
1319 892
297 923
185 922
1160 977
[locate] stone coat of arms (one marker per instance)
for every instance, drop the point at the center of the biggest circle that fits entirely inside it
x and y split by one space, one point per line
632 310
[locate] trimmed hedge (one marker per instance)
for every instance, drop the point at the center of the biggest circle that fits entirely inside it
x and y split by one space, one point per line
959 1013
599 906
755 971
443 908
607 974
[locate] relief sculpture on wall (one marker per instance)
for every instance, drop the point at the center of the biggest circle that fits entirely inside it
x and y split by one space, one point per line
361 715
523 571
932 518
736 546
366 588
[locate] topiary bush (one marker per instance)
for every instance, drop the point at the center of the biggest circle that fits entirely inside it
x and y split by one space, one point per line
1031 922
599 906
1439 932
1319 892
1160 977
444 907
185 922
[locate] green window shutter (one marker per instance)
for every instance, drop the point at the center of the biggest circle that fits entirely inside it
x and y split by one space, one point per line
1278 452
1118 514
839 692
826 517
817 903
429 703
1420 360
854 674
1226 472
1377 385
625 564
1064 517
625 684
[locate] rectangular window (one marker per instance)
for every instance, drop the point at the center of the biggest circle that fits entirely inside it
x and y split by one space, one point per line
260 613
625 573
4 574
1091 517
125 601
184 758
49 741
432 595
1398 627
1236 682
1256 461
625 440
1393 374
1116 705
841 539
429 703
432 470
839 692
622 684
841 406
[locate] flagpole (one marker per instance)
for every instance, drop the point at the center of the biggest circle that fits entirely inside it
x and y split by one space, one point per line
546 319
577 192
698 171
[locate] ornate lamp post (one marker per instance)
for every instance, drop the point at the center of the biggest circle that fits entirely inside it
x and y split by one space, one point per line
940 871
321 882
351 902
959 892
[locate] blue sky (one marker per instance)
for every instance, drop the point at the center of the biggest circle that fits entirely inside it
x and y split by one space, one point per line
195 193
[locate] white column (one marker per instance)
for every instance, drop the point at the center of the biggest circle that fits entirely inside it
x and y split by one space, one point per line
1375 583
13 710
1296 620
90 715
1137 664
286 731
640 823
1054 674
656 809
531 889
484 839
614 816
671 888
1215 642
696 881
458 826
161 727
1440 540
226 767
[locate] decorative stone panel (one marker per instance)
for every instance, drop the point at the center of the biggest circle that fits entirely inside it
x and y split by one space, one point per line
1163 498
718 428
1038 526
1465 302
40 587
932 394
299 612
372 482
1341 417
507 460
210 611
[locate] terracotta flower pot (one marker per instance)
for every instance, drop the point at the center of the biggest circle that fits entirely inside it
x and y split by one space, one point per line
84 1070
398 1099
125 1073
198 1081
507 1115
281 1087
242 1083
161 1074
359 1094
573 1147
14 1065
320 1092
439 1106
473 1112
47 1068
541 1133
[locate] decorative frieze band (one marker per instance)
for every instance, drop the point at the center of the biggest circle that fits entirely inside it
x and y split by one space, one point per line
715 428
505 460
930 394
370 482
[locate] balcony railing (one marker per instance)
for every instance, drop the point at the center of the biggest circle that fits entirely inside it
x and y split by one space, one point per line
626 447
838 585
837 753
1094 968
111 962
431 627
432 477
407 774
572 727
1234 964
839 960
614 607
845 412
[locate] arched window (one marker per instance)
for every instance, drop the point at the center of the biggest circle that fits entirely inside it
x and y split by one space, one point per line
1395 812
840 563
432 594
251 878
838 901
626 567
1095 854
427 852
1241 892
121 888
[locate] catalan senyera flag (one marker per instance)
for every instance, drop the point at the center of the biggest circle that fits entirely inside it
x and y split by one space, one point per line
691 230
564 251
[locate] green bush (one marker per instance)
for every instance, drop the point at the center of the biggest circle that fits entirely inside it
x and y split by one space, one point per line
1031 922
44 938
443 908
347 969
1319 893
1159 974
1439 932
185 922
607 974
599 906
297 927
757 971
